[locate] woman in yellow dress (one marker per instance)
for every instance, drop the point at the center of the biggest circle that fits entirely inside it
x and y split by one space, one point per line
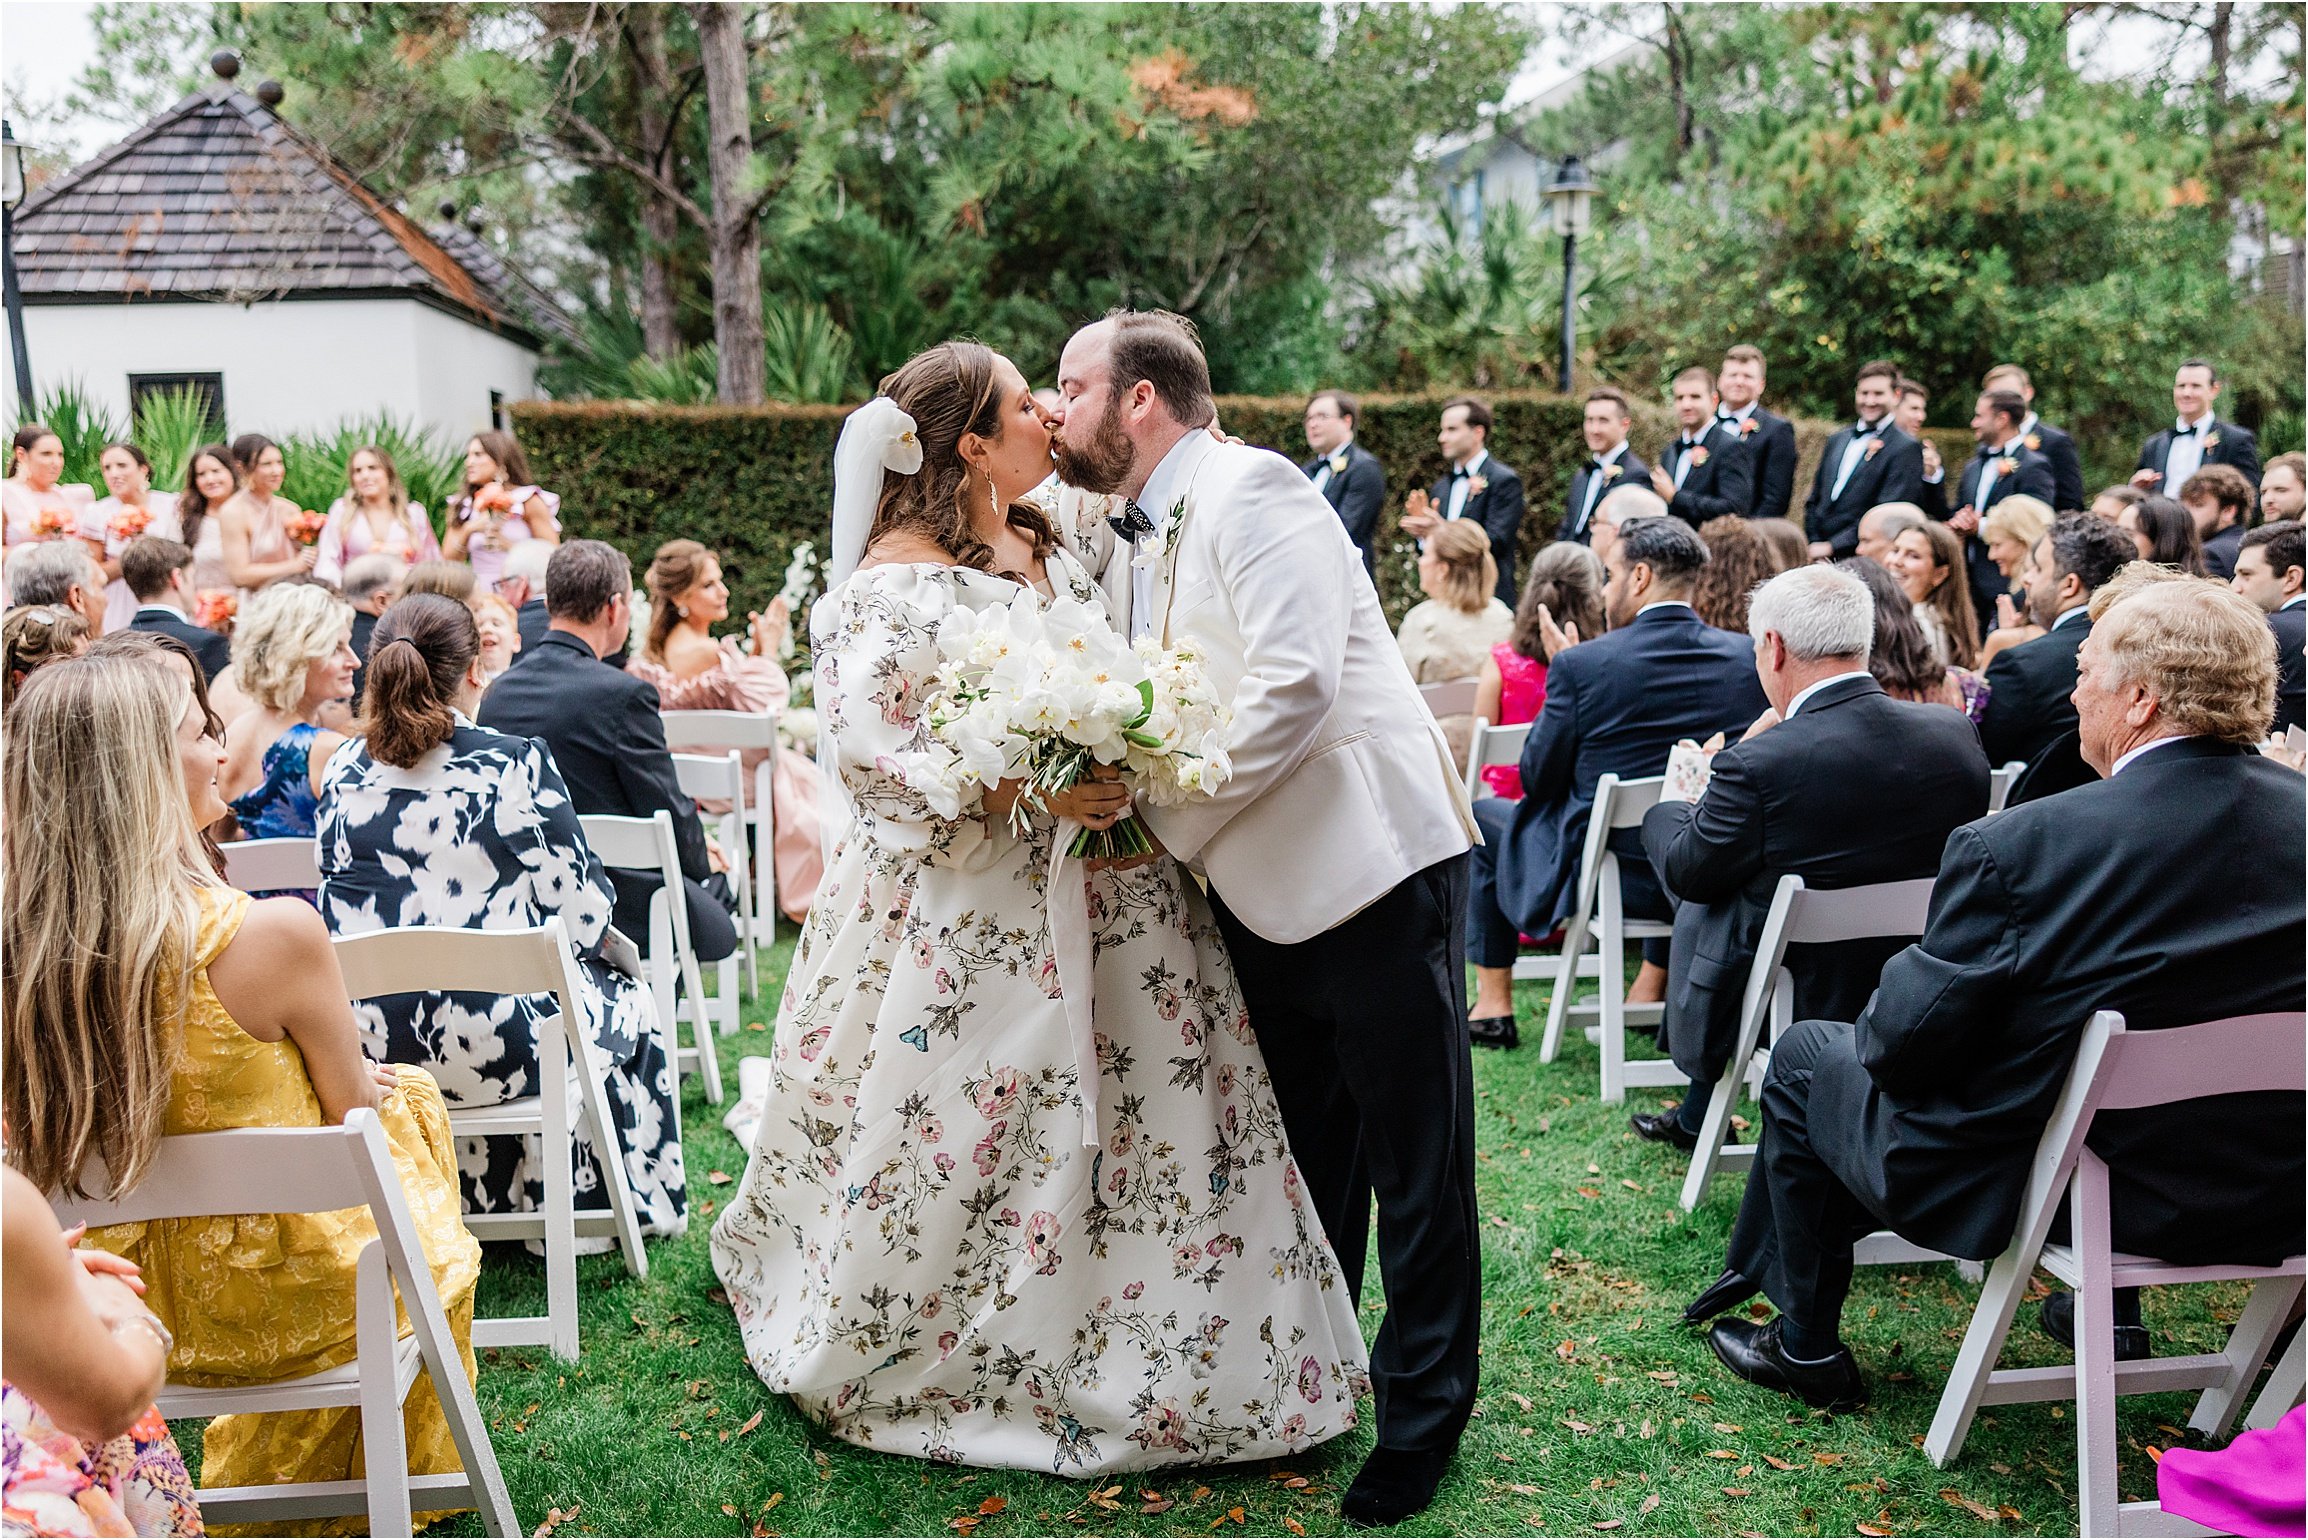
146 998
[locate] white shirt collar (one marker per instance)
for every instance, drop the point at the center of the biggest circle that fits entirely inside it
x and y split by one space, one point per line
2084 609
2296 599
1611 456
1168 483
1736 414
1474 467
1341 449
2182 423
2146 748
1660 604
2030 423
1808 691
155 604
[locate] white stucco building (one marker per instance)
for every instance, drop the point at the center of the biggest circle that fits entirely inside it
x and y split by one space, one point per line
219 248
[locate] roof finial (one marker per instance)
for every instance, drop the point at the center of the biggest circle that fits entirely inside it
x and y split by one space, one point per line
225 63
270 93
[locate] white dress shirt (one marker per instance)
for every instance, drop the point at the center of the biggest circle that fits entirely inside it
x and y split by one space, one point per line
1461 486
1162 489
1322 472
1683 447
1808 691
1596 483
2184 456
1979 493
2149 747
1856 451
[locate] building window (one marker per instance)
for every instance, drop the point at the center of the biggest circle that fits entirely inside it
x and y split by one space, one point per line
497 410
208 387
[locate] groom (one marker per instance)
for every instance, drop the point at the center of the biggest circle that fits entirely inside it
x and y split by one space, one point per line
1336 855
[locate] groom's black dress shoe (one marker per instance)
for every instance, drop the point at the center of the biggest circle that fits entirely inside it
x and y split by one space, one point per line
1752 1351
1492 1031
1663 1128
1394 1484
2058 1320
1728 1292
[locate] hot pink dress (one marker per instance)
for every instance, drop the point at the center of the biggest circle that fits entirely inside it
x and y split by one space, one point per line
742 683
1522 690
2258 1485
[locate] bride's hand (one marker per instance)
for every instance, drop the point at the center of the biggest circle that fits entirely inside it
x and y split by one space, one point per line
1097 803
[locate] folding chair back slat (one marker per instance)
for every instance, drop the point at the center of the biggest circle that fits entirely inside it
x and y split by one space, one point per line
292 862
1493 746
2000 782
239 1171
695 731
451 958
1878 910
1449 697
2243 1053
645 845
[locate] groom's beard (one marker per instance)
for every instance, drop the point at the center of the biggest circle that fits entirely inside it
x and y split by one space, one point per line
1101 461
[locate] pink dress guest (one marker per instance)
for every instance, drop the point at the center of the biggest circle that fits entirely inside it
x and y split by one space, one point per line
21 505
55 1485
743 683
105 523
2258 1485
347 536
268 540
1522 690
486 553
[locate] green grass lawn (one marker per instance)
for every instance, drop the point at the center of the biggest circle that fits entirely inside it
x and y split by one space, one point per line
1599 1409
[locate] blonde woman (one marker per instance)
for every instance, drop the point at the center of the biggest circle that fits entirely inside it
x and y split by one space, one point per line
2011 530
176 1006
292 654
1450 634
375 515
252 526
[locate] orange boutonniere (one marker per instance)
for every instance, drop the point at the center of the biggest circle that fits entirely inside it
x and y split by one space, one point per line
1874 448
2006 465
2033 441
1698 455
1477 486
1618 469
1747 427
2211 442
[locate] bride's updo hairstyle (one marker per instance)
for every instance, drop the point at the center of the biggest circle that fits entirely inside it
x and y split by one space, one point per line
418 658
949 391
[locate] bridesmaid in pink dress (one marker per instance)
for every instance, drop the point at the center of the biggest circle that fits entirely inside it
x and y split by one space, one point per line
500 508
376 515
37 502
133 509
694 672
252 526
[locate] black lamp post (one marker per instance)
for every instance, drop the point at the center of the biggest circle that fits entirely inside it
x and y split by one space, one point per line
1572 197
11 194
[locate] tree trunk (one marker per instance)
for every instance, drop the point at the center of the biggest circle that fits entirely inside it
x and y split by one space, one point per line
736 230
660 220
2222 28
1679 87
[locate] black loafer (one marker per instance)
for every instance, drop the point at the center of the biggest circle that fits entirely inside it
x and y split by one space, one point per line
1663 1128
1753 1351
2058 1320
1394 1484
1728 1292
1492 1031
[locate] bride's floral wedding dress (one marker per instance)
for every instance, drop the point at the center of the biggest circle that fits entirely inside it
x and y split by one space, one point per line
924 1254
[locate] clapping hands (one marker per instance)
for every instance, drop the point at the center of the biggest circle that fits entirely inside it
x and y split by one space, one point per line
1419 518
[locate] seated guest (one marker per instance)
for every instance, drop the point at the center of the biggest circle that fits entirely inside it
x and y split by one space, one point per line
2150 892
2010 530
59 572
1619 507
430 820
1805 794
292 653
1928 561
2164 533
1790 548
1562 602
1615 705
1447 635
1737 563
449 579
32 636
2028 710
691 671
606 735
179 1006
1901 659
1880 525
2284 488
2220 500
2111 501
2270 573
159 573
500 635
1347 475
372 583
523 587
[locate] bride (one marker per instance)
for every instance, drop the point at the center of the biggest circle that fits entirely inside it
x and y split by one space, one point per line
924 1253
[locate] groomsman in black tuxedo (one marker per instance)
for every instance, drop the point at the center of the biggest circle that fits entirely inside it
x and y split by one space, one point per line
1610 463
1707 473
2043 438
2196 438
1914 403
2004 466
1478 487
1770 438
1347 475
1868 463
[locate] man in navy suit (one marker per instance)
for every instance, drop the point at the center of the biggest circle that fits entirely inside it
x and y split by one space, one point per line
1347 475
2272 572
159 574
1868 463
1478 487
1769 437
1706 472
2046 440
1615 705
2003 467
2196 438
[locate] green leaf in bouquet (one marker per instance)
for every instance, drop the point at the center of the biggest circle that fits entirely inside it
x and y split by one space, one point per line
1145 702
1143 740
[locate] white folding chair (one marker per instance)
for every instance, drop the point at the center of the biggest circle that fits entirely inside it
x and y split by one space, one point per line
717 732
1597 915
1449 697
419 959
646 845
288 864
2000 782
722 777
2117 1070
315 1171
1492 746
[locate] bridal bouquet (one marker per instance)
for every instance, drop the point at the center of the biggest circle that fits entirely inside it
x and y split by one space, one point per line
1046 695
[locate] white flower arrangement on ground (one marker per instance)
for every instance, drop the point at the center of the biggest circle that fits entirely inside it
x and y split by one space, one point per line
1045 695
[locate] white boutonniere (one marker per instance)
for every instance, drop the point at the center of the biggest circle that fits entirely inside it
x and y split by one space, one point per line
1698 455
1618 469
1177 523
1874 448
1477 486
1338 463
1747 427
2034 441
2211 442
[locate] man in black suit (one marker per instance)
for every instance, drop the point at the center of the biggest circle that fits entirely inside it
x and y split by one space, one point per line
2272 572
2196 438
2220 500
2003 467
2169 890
2046 440
1615 705
1839 784
1770 438
1478 487
1347 475
1610 463
1868 463
371 584
159 574
604 731
1707 473
2028 710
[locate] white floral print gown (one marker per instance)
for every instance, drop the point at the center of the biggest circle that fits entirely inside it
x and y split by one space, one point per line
923 1253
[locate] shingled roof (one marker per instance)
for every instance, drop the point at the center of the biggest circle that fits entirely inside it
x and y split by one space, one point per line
218 199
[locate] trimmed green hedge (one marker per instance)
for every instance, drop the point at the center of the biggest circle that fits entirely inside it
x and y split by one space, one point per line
754 482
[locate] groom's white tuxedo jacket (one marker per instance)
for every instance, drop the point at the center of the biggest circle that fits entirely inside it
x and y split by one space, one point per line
1343 785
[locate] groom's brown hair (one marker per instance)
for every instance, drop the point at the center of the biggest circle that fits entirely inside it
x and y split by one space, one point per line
1165 351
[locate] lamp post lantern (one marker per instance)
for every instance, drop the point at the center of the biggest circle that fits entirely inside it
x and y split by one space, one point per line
1572 197
11 194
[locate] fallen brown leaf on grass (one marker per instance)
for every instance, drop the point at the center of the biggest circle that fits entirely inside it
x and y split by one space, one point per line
1563 1349
994 1505
1590 1192
555 1518
1827 1459
1200 1493
1648 1504
1975 1509
1293 1525
718 1178
1736 1492
1519 1399
1729 1427
772 1501
1873 1529
1721 1454
1155 1504
1609 1524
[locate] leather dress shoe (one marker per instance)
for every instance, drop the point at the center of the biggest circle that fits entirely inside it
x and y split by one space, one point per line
1663 1128
1492 1031
1728 1292
1752 1350
2058 1319
1394 1484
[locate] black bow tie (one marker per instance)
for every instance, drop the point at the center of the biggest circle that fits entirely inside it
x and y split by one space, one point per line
1693 443
1597 467
1869 430
1460 473
2187 432
1131 523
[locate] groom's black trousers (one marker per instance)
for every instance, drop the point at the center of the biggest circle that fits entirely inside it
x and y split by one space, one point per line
1364 1032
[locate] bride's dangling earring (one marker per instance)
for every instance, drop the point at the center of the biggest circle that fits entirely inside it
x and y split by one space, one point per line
993 500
